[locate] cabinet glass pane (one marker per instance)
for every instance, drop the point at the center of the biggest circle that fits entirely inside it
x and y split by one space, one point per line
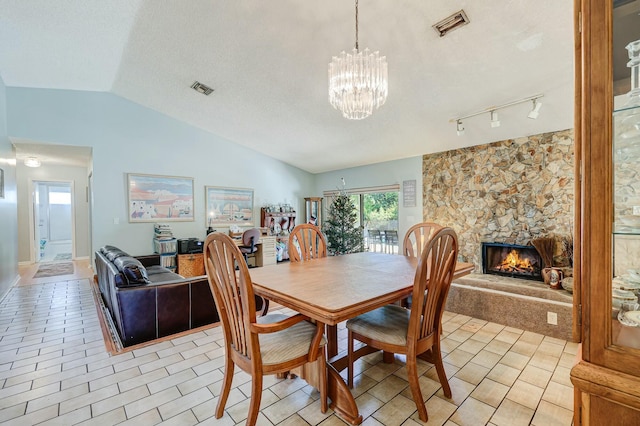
626 176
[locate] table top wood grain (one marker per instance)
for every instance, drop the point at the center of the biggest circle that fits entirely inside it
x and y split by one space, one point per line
336 288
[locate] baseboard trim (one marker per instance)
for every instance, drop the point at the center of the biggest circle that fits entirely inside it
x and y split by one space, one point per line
15 282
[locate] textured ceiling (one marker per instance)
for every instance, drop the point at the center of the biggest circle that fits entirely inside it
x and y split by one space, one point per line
267 61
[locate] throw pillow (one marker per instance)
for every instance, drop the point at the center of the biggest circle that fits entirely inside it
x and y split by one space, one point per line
132 269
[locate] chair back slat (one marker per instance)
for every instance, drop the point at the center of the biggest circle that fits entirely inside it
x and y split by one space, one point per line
307 242
232 291
416 238
432 281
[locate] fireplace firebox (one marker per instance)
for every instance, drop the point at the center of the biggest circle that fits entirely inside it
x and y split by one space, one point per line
511 260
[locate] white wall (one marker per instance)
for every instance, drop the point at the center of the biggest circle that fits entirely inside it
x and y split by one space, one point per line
78 175
8 209
129 138
387 173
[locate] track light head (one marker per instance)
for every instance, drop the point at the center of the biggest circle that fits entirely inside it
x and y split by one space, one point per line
494 119
536 109
493 111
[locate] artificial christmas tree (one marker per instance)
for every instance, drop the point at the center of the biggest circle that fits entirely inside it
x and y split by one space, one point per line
344 235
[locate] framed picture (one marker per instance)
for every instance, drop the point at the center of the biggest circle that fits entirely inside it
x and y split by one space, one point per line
409 193
1 183
229 206
155 198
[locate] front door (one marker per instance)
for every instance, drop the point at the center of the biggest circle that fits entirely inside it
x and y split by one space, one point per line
53 221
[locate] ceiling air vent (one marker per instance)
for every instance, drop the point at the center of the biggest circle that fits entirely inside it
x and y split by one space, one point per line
452 22
201 88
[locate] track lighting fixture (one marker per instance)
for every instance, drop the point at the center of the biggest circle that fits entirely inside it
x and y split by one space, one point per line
494 119
493 112
536 109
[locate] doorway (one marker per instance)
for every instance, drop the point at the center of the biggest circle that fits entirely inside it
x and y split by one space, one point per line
53 221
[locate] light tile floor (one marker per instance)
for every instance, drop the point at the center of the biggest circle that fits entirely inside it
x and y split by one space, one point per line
54 370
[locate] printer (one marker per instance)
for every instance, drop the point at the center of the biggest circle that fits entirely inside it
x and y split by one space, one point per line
190 246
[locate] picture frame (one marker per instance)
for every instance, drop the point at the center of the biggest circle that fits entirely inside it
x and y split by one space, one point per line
156 198
228 206
409 193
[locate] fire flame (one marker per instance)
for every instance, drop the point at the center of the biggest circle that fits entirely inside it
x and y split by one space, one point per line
513 262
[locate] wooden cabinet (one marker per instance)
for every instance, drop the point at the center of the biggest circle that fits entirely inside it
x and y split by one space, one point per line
607 377
191 265
277 222
268 250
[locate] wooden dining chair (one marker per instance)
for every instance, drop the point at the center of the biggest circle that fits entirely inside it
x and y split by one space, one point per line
414 332
413 244
416 237
269 344
307 242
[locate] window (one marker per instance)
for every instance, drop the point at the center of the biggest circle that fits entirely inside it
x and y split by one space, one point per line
59 197
378 215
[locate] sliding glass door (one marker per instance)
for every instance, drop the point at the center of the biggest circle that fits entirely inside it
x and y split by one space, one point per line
377 215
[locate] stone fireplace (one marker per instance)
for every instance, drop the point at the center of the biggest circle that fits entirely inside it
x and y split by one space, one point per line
511 260
513 190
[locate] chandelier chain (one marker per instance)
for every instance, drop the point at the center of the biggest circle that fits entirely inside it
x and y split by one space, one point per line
357 49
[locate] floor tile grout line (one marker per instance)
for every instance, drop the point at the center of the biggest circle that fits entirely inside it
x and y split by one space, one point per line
536 359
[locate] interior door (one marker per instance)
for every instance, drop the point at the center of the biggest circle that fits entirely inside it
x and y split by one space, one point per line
53 220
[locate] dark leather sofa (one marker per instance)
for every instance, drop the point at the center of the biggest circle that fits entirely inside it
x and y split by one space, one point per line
147 301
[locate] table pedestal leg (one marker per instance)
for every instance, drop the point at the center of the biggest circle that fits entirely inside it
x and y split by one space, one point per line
332 341
342 401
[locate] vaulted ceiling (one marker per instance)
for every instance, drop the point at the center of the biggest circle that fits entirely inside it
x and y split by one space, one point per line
267 63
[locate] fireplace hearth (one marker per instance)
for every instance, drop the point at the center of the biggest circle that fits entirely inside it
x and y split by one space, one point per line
511 260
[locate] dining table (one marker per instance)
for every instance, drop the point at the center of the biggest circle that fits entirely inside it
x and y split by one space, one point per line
333 289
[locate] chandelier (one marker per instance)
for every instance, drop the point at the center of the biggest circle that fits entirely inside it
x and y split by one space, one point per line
358 81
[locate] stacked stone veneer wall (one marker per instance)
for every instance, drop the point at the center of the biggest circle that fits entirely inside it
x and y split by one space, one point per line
508 191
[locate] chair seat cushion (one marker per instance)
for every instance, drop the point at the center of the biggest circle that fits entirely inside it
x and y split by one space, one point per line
287 344
388 324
